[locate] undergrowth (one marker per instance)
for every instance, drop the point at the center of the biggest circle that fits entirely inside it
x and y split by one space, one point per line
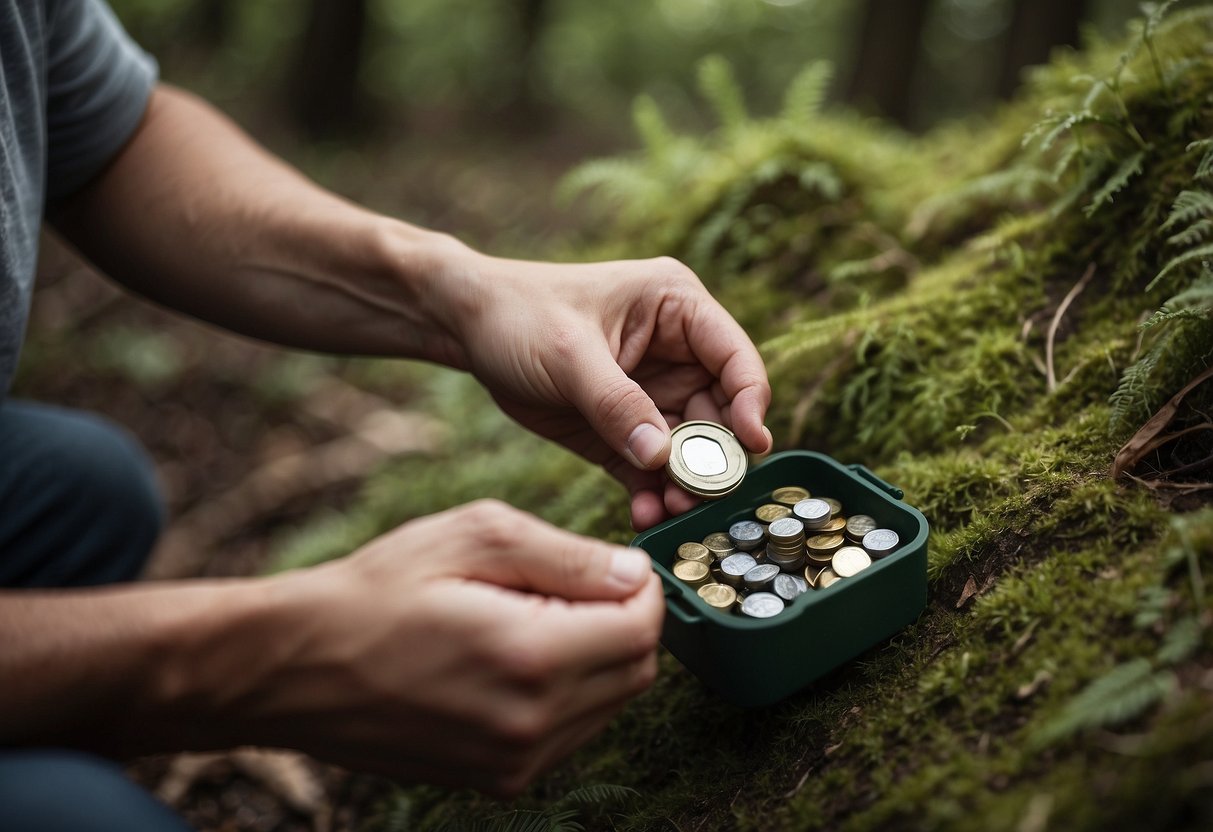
983 315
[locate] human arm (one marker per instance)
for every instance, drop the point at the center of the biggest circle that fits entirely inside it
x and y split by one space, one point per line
194 215
471 648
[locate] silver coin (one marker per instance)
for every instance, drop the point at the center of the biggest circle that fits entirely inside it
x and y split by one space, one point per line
785 528
812 511
762 605
788 587
737 565
879 542
849 561
747 534
759 578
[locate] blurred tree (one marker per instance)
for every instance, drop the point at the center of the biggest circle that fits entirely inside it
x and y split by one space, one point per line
324 94
210 22
1036 27
889 46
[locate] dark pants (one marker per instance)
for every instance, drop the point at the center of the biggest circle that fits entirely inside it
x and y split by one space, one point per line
78 507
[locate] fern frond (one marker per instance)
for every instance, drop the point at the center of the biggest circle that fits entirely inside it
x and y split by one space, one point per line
1205 169
1194 302
805 94
822 178
597 794
1130 401
619 181
651 126
720 89
1182 640
1115 183
1189 206
1121 694
1177 262
1195 233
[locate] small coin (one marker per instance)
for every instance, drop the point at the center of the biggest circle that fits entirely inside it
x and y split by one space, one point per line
719 545
692 572
859 525
789 587
811 572
762 605
827 577
790 565
706 459
772 512
720 596
849 561
814 513
835 506
880 542
695 551
747 534
823 546
789 495
734 567
787 528
835 524
760 577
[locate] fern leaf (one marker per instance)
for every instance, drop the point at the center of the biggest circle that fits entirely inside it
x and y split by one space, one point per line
651 126
1189 206
805 94
823 178
1194 302
720 89
618 180
1194 255
1181 642
1195 233
1124 692
597 794
1115 183
1205 169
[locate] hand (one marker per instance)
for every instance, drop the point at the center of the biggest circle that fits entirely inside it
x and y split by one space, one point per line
606 357
476 647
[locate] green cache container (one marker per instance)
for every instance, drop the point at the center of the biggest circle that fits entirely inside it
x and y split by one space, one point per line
754 662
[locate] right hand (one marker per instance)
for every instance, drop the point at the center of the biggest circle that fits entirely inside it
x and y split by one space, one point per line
476 647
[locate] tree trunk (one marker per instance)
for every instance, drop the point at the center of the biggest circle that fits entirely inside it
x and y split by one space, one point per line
324 94
888 54
1036 27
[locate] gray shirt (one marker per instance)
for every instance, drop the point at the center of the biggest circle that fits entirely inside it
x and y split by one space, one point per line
73 87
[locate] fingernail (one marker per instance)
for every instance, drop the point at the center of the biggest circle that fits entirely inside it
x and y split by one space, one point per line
646 444
629 568
770 437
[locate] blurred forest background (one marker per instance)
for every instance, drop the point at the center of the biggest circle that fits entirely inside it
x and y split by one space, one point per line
465 116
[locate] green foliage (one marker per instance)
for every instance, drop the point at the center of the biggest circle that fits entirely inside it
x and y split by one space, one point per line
718 86
1121 694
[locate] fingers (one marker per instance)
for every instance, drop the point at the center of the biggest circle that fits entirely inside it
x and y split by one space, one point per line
516 550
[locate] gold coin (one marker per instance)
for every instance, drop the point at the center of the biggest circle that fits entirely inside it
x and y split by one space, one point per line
772 512
825 543
719 544
827 577
836 524
718 595
692 572
858 526
695 551
789 495
835 506
811 573
850 560
706 459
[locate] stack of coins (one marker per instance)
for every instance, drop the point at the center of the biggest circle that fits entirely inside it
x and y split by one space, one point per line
795 543
785 548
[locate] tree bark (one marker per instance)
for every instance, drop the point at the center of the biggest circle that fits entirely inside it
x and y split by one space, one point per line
1036 27
889 46
324 94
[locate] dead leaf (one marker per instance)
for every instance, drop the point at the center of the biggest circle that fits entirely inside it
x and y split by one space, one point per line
970 589
1147 437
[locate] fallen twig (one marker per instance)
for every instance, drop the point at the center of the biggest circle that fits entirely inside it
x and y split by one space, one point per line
1051 336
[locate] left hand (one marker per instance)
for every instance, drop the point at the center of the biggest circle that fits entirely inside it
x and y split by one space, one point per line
605 358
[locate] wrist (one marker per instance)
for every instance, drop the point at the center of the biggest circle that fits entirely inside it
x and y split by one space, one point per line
440 278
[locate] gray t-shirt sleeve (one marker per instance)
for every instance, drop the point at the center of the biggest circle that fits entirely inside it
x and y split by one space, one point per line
97 84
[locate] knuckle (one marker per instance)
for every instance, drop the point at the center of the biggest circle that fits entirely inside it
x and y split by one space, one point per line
564 342
495 523
520 729
646 674
620 400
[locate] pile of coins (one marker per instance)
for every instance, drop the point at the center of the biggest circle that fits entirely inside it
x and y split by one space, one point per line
795 543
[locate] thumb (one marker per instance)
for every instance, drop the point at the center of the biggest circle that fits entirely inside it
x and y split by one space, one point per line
519 551
617 408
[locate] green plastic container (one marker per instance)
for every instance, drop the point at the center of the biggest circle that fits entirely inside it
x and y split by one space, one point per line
754 662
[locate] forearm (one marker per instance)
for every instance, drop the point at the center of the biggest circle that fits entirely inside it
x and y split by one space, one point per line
128 670
193 214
